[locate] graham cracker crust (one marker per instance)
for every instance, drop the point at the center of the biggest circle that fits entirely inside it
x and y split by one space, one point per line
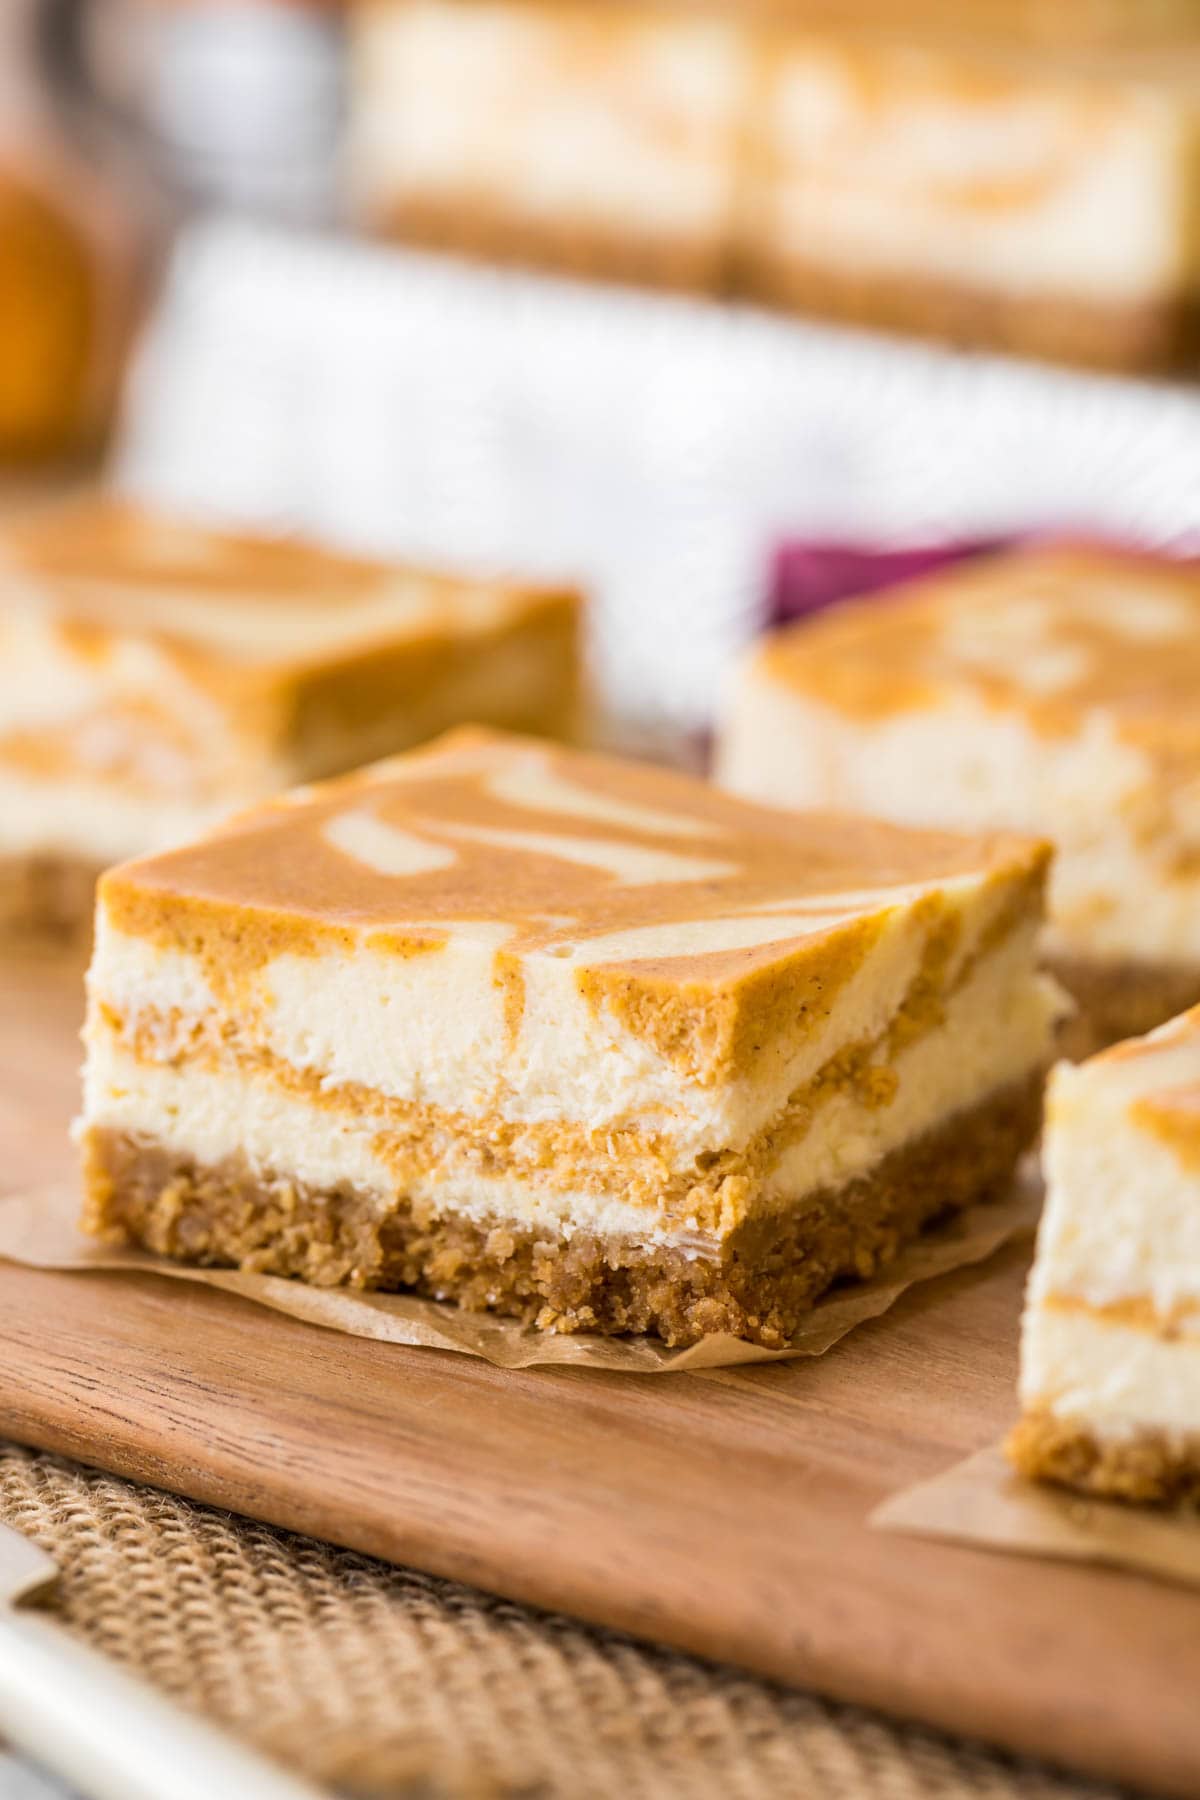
574 249
1120 1000
47 897
766 1276
1150 1467
1158 335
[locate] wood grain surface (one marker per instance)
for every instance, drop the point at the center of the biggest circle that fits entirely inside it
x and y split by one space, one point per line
722 1513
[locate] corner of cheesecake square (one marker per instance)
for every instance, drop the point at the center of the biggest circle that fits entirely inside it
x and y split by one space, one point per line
1110 1349
1048 689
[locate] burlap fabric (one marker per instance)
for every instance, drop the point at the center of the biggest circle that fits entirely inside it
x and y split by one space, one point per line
383 1681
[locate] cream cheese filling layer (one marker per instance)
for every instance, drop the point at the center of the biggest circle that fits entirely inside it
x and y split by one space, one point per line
1122 1221
994 1034
1111 1335
47 685
433 1028
1113 1379
99 712
1022 186
96 821
495 104
1114 893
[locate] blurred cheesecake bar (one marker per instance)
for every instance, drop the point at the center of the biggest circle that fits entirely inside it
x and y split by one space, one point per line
577 1040
1046 690
1110 1349
600 139
156 674
1023 178
1040 202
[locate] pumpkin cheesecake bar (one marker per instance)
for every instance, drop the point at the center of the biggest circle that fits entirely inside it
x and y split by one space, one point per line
156 674
1050 690
581 1041
1021 177
1110 1351
961 184
598 140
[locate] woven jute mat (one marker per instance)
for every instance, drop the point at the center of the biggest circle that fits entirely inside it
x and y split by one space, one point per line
381 1681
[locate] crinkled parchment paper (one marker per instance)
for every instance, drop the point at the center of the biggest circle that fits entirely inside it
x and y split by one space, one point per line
38 1228
983 1501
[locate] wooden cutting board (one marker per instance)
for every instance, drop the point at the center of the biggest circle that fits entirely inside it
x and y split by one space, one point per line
722 1513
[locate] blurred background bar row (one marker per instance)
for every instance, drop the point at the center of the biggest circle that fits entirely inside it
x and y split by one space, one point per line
393 271
889 168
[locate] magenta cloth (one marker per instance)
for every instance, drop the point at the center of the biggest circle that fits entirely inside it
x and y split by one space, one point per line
811 573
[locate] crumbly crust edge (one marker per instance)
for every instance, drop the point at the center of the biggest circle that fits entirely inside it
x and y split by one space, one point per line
1157 332
755 1284
1148 1466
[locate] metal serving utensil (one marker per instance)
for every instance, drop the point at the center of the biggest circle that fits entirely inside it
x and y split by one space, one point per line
90 1723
